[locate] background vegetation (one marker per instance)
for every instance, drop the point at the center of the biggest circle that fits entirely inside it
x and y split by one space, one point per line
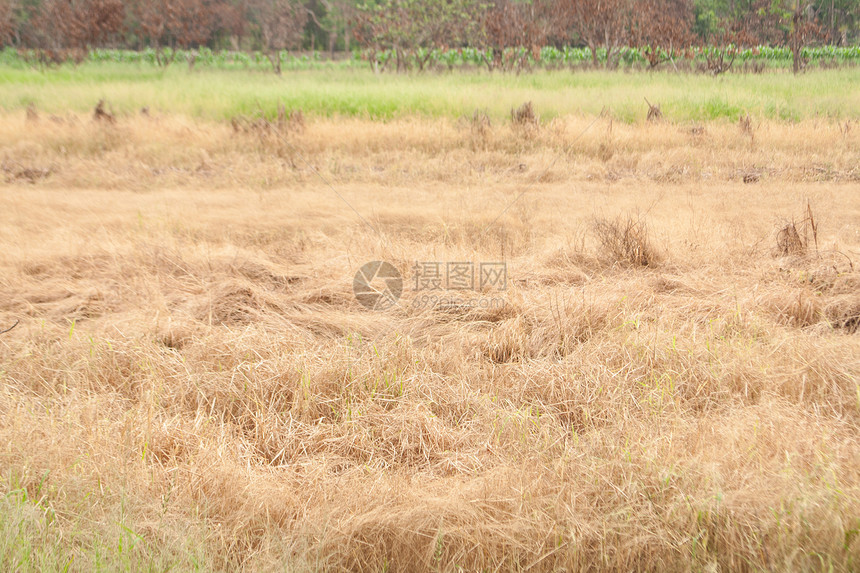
410 34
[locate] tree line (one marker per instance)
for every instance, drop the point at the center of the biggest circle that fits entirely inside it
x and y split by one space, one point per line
507 32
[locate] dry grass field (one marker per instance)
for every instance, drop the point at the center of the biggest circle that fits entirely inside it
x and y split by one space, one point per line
672 382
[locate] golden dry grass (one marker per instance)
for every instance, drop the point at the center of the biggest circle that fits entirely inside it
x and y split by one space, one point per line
193 384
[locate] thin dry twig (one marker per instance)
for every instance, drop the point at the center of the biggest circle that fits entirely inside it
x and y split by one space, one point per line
10 328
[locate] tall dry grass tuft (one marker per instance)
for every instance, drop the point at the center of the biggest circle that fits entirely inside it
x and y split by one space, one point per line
655 114
745 125
101 113
795 238
32 113
481 129
525 120
625 240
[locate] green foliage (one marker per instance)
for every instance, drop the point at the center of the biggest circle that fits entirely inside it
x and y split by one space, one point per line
341 89
549 57
33 539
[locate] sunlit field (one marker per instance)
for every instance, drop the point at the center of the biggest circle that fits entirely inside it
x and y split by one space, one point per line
221 94
667 380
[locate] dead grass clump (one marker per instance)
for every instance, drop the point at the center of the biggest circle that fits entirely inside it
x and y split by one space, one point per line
524 115
835 275
264 273
172 442
625 240
236 303
794 238
292 122
32 114
789 241
407 528
237 122
175 335
101 113
481 124
481 128
799 309
844 314
271 133
28 174
115 368
570 324
296 121
655 114
605 151
671 174
251 125
508 342
745 125
525 120
561 326
751 177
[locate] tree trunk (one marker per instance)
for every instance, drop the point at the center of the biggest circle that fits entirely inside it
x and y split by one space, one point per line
397 56
275 59
613 56
795 41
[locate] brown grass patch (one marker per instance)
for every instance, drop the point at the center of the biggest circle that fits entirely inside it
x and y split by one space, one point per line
192 379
